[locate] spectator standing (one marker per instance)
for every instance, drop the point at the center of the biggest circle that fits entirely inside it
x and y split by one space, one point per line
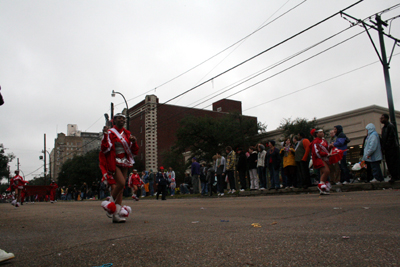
242 168
373 153
195 176
172 180
302 158
334 168
84 190
390 147
151 179
261 166
273 163
341 143
252 162
203 179
230 168
102 190
162 183
289 163
53 191
70 192
219 172
75 192
210 179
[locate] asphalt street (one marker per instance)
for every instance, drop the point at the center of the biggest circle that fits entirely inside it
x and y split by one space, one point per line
342 229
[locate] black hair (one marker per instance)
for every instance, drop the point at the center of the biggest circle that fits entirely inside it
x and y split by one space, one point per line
386 116
302 134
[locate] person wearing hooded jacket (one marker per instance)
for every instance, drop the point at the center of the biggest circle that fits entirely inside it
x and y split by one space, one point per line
373 153
341 143
261 166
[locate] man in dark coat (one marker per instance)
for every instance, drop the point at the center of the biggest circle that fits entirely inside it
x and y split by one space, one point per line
390 147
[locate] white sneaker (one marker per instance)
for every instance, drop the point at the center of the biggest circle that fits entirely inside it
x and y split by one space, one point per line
116 217
222 194
241 190
345 182
142 196
230 191
233 191
338 183
262 188
4 256
374 181
51 201
219 194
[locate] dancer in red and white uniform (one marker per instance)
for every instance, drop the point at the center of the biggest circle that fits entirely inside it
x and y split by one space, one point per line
17 184
320 158
118 148
135 182
53 192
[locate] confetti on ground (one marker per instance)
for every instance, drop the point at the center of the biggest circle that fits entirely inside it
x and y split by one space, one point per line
346 237
337 208
195 222
256 225
273 223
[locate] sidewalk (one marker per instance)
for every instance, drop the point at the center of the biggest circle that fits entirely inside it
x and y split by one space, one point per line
335 188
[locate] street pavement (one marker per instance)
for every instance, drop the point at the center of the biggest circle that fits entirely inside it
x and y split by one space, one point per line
343 229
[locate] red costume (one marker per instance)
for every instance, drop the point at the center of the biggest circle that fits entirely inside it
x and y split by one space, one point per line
319 152
53 191
116 150
135 180
18 182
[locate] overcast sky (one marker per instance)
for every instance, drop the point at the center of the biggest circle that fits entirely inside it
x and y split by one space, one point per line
60 60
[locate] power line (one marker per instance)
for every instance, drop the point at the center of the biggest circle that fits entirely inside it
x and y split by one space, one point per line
242 39
310 86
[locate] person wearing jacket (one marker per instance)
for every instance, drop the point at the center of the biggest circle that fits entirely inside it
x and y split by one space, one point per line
373 153
341 143
261 168
242 168
252 162
302 158
289 164
162 183
171 179
219 172
273 163
230 168
390 148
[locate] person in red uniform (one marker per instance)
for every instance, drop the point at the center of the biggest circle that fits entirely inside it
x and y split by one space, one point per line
17 185
135 182
320 157
53 192
118 148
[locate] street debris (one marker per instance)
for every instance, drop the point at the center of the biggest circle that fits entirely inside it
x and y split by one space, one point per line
345 237
337 208
195 222
256 225
273 223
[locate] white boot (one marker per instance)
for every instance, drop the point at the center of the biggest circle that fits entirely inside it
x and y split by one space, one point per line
4 256
116 217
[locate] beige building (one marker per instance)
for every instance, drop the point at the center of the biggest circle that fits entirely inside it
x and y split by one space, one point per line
75 143
353 123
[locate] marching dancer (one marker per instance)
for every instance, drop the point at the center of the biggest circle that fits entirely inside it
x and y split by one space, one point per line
320 154
118 148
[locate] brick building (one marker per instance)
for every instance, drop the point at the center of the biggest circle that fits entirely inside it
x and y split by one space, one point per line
155 125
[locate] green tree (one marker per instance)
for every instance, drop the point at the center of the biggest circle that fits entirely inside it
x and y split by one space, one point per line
204 136
4 160
81 169
173 158
299 125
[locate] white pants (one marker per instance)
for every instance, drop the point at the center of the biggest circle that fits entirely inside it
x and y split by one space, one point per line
253 179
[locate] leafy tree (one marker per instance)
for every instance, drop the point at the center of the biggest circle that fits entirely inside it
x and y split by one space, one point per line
81 169
4 160
293 127
204 136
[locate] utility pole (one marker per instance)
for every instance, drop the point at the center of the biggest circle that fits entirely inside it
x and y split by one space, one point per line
17 164
383 58
44 152
386 67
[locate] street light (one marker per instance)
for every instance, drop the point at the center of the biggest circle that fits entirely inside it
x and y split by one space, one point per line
127 109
